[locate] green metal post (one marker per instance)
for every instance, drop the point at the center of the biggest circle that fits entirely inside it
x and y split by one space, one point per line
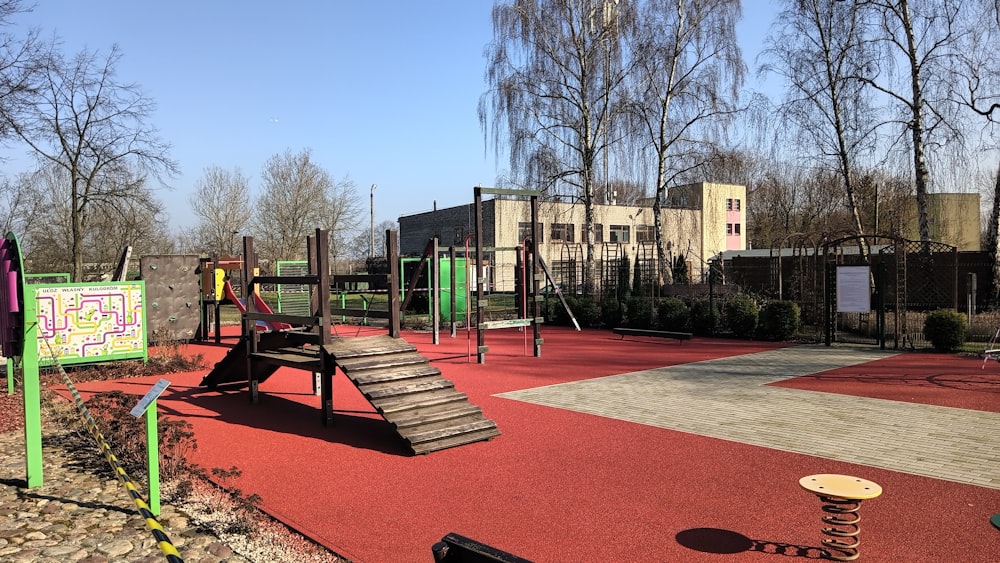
153 459
32 393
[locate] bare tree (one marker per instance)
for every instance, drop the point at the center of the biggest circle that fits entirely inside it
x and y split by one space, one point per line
20 63
925 39
976 86
818 47
687 73
14 202
342 217
297 196
138 221
221 202
554 70
96 129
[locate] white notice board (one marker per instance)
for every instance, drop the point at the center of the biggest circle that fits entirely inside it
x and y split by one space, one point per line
853 289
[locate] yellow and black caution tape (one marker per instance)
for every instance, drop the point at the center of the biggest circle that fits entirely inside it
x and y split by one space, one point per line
162 540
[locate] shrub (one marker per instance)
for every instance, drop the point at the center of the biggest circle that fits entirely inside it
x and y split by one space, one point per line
587 312
638 312
126 435
741 315
555 313
779 320
673 314
945 329
705 317
612 312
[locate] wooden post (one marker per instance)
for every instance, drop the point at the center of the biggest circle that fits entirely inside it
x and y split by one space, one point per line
392 255
322 292
249 326
480 279
533 282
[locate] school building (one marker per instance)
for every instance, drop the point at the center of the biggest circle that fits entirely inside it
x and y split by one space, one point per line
699 221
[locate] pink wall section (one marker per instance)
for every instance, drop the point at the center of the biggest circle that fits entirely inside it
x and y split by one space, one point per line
735 242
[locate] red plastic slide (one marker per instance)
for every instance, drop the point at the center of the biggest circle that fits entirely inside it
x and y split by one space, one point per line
259 304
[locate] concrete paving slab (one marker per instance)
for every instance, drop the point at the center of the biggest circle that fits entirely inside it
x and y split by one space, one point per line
729 398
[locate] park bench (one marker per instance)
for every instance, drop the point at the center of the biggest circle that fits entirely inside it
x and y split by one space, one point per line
623 332
454 548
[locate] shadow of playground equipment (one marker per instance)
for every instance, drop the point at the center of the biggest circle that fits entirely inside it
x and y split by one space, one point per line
724 542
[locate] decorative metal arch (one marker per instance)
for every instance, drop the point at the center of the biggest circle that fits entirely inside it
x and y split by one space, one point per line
906 276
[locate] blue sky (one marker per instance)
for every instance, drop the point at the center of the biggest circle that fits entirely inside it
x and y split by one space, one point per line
381 92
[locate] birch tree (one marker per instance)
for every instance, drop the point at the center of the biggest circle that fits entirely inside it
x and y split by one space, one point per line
924 38
687 72
976 87
818 48
554 74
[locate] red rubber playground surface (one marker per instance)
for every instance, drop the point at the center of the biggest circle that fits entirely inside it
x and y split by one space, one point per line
561 486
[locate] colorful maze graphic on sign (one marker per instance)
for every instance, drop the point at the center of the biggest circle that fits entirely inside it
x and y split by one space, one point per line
91 322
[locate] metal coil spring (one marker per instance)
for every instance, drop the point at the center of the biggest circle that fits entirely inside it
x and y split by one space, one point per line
843 519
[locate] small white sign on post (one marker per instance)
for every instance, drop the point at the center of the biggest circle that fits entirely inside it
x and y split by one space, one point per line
148 399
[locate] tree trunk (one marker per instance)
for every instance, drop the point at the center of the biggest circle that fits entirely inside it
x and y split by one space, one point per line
589 267
921 173
993 244
76 205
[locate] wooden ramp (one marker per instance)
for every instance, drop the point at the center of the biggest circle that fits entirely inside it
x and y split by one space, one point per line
410 393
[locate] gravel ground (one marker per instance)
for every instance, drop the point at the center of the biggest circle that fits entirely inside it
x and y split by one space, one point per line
205 509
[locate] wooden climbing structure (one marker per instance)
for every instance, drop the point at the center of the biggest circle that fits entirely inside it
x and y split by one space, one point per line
422 406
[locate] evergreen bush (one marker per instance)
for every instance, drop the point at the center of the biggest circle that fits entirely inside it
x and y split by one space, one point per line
779 320
705 317
612 312
638 312
741 316
945 329
673 314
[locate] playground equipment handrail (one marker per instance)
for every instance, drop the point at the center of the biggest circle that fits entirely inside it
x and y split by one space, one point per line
162 540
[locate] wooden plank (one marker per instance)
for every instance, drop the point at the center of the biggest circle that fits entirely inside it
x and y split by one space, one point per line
280 318
397 389
436 434
434 414
509 323
381 361
344 348
393 405
369 377
294 359
297 280
454 441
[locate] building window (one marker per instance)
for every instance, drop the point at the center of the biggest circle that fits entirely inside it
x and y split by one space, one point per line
729 229
645 233
561 232
598 232
618 233
729 204
736 204
524 232
736 229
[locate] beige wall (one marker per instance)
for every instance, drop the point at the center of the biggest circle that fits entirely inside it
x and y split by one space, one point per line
954 219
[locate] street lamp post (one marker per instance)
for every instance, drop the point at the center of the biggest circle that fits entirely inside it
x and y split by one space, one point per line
371 232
